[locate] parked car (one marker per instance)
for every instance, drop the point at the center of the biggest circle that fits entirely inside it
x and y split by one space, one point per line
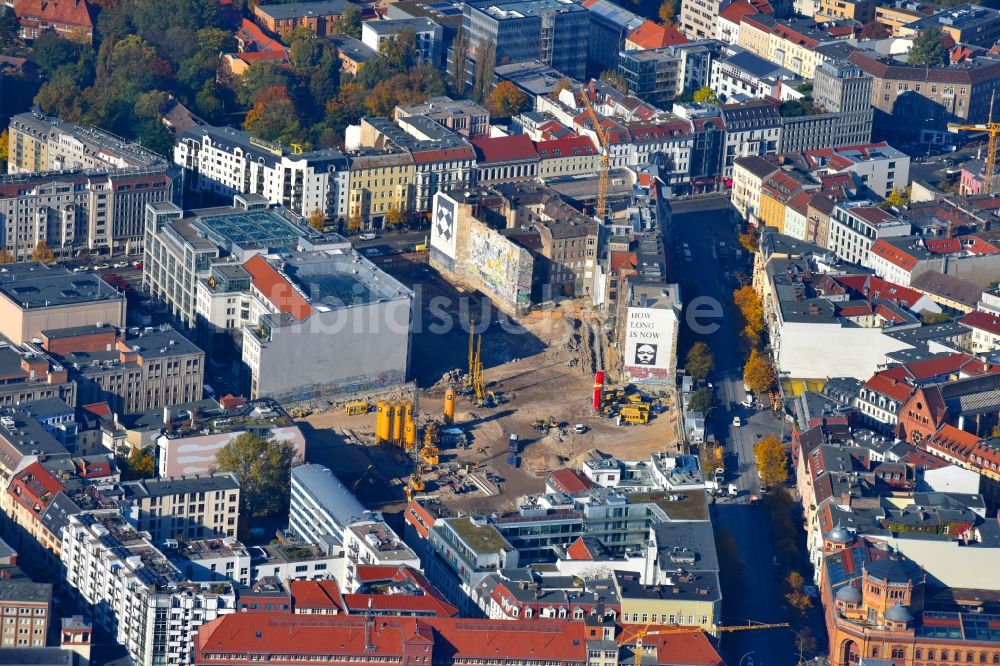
120 264
367 237
101 267
579 428
737 422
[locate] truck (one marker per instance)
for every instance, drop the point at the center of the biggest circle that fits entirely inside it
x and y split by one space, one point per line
733 491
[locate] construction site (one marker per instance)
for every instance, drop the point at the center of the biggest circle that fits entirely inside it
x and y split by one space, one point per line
491 412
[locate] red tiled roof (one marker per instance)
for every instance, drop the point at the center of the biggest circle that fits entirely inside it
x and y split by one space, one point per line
984 321
651 35
578 550
570 481
691 648
400 603
883 385
68 12
402 638
254 37
735 12
443 155
277 289
875 288
505 148
893 255
565 147
229 401
953 441
317 594
98 409
620 260
37 487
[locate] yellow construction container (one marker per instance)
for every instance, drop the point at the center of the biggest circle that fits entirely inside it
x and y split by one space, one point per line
449 405
397 423
409 430
355 408
635 415
382 422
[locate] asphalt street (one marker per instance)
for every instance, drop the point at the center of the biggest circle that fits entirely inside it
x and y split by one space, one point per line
701 226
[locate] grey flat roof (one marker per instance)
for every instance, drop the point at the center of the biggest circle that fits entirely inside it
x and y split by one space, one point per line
25 591
757 66
328 491
180 485
296 9
35 285
161 342
688 545
392 26
37 656
354 49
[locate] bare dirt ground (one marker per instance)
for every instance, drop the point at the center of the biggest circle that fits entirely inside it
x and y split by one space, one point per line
543 366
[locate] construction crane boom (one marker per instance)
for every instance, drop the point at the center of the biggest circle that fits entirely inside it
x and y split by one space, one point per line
992 130
600 210
640 634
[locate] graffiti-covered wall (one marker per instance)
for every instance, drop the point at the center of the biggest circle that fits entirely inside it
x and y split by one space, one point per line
501 267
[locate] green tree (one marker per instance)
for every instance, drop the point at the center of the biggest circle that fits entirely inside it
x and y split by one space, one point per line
348 23
49 52
699 361
6 257
317 219
667 12
750 240
772 462
897 198
273 117
705 95
395 217
458 63
615 79
928 49
354 224
9 29
701 401
506 100
401 51
43 253
486 56
758 373
139 465
752 309
264 467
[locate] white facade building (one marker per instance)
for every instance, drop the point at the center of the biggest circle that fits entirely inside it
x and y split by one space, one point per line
855 226
138 596
321 506
229 161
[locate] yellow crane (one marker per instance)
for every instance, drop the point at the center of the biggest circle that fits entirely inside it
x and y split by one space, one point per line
602 184
636 637
992 130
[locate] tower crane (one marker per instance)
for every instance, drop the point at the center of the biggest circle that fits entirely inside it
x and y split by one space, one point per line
992 130
602 184
636 637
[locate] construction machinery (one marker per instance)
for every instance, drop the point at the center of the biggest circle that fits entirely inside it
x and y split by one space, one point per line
992 130
356 408
429 452
600 210
635 414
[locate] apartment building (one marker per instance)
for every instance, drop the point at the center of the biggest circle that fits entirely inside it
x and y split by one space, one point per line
749 129
749 174
99 212
42 143
227 161
139 597
745 74
698 18
70 19
183 508
182 247
554 32
610 24
380 181
35 297
300 300
463 116
442 159
897 15
25 606
137 369
371 542
316 17
505 159
651 74
916 103
791 43
969 24
427 35
321 507
862 11
31 376
855 226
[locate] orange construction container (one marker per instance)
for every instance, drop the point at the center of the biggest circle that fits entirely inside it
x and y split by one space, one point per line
397 423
